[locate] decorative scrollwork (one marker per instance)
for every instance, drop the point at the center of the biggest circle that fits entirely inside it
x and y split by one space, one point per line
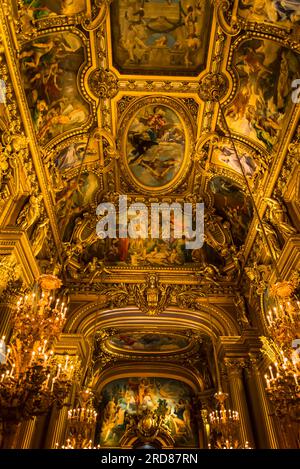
90 24
213 87
234 27
103 83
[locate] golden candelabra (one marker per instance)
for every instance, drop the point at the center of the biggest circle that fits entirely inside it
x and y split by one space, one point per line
69 445
225 424
81 423
284 325
284 319
283 376
32 378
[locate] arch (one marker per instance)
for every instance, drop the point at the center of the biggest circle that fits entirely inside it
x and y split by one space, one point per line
144 369
212 320
145 426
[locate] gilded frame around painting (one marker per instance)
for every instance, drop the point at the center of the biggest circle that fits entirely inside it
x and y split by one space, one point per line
185 126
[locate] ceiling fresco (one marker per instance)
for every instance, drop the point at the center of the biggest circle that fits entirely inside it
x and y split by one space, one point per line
73 154
224 155
38 9
233 206
284 12
160 37
124 399
155 146
121 100
148 342
49 67
260 109
164 102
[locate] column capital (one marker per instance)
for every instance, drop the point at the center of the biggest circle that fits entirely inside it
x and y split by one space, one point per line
13 290
15 243
235 365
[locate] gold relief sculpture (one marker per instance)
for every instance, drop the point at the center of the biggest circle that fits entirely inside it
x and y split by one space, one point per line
152 297
209 272
95 268
242 314
94 21
31 212
213 87
9 271
258 275
232 29
272 238
40 235
103 83
278 217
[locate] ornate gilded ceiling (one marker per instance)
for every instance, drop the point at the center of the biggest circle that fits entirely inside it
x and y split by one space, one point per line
183 101
122 98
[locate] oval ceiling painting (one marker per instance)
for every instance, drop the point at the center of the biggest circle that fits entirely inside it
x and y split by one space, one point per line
148 342
156 146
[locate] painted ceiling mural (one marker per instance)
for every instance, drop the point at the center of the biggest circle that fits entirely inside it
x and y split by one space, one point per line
38 9
160 37
148 342
164 101
284 12
224 155
232 205
120 98
155 146
266 71
126 400
49 67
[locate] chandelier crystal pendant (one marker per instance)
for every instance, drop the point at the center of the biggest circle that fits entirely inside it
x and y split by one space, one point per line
32 378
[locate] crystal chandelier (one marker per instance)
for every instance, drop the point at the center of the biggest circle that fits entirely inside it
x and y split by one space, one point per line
284 319
81 423
32 378
225 426
283 378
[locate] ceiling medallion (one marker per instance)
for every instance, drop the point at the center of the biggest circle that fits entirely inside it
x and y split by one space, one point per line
213 87
103 83
155 138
